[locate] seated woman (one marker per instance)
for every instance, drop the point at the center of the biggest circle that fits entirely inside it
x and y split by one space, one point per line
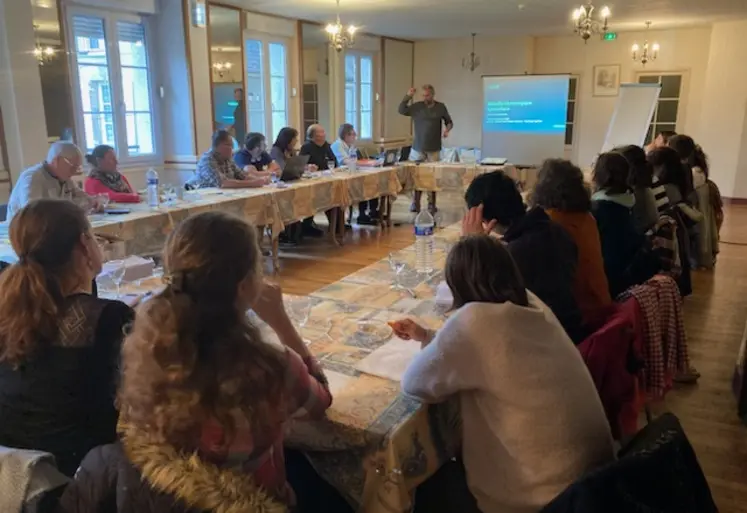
628 256
254 159
105 179
704 245
532 420
561 192
285 148
346 153
645 213
216 167
204 398
59 345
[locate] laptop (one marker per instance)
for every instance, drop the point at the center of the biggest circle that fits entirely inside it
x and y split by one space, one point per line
294 168
404 153
390 157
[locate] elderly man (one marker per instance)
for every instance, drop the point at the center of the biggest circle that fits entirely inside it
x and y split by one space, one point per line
51 179
318 149
428 117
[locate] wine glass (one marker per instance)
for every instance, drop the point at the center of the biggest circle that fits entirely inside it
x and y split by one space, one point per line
397 265
103 200
117 270
300 309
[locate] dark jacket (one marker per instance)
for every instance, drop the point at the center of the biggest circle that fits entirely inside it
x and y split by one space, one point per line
61 400
658 472
628 257
546 256
137 476
243 158
318 155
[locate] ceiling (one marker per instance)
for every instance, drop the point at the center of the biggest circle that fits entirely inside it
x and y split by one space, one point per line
433 19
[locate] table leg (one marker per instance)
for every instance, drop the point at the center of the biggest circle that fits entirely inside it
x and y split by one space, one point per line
275 252
333 226
341 226
389 211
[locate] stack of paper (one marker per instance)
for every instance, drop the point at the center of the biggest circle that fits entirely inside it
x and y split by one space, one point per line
390 361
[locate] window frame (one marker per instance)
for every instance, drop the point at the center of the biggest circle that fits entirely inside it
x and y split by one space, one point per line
574 124
681 108
266 75
357 124
111 38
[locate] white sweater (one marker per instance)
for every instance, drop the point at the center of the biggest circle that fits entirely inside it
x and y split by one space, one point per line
533 422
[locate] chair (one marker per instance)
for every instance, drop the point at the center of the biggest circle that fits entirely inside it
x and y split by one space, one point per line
29 481
656 472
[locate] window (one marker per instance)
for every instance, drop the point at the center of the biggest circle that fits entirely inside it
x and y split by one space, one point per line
570 118
666 113
267 85
359 93
112 78
310 105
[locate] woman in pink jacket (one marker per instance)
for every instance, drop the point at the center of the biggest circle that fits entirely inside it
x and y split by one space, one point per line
105 179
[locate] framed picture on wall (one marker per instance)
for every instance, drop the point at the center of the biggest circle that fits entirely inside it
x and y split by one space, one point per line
606 80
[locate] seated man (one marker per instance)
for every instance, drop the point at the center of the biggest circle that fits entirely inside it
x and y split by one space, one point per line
51 179
320 157
318 149
544 252
346 153
253 157
216 167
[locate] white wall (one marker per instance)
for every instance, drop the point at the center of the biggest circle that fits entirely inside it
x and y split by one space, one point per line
173 75
684 50
439 63
722 129
398 78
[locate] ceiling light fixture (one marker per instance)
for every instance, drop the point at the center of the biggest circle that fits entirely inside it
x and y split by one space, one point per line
645 54
472 61
43 53
340 37
221 67
585 24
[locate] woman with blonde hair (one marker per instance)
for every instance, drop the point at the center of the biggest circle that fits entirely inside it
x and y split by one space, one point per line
204 398
504 354
59 344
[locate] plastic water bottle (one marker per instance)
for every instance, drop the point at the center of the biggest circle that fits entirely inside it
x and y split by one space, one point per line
424 225
153 194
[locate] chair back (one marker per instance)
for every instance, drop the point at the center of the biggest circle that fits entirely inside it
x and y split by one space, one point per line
657 471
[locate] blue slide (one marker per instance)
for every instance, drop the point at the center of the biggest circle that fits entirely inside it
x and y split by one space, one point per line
525 104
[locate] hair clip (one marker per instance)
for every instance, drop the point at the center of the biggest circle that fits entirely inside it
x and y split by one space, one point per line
175 281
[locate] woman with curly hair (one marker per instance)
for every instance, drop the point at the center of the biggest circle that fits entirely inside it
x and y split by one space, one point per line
59 343
561 192
204 398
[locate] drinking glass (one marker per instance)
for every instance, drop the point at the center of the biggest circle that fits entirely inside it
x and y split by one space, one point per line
331 164
397 265
117 271
353 163
299 310
103 200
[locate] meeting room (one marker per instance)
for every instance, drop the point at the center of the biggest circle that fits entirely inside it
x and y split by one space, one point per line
373 257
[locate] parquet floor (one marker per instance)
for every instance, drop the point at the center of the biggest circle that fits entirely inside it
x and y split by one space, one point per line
715 318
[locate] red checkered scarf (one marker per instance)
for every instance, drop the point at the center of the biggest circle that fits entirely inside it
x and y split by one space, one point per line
664 337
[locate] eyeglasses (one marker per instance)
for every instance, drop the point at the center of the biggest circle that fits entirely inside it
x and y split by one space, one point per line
73 166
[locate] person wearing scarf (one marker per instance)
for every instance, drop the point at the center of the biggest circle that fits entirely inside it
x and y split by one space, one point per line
105 179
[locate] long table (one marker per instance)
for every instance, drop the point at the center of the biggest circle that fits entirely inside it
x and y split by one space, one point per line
144 229
375 445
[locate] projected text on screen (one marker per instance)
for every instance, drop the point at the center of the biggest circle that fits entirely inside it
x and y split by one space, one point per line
516 105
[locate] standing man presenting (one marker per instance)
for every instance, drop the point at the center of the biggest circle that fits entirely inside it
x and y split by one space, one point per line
427 116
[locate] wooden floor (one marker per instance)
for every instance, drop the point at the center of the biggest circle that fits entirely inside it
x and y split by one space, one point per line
715 320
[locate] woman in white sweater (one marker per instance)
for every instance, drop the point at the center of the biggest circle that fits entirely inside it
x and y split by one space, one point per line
533 422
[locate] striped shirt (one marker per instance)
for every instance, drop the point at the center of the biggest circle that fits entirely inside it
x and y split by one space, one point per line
307 396
660 195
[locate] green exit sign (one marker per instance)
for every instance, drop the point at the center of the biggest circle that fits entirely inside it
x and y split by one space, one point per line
610 36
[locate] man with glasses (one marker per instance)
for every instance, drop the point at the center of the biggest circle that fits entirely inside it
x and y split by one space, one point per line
52 179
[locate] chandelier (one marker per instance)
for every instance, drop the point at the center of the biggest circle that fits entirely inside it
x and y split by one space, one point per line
646 53
471 62
221 67
585 24
43 54
340 37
